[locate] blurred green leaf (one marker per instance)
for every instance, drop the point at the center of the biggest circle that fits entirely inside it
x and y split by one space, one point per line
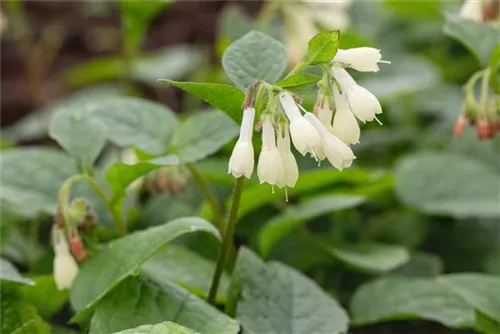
485 324
17 315
228 99
299 82
136 301
420 265
449 184
121 175
122 258
185 268
233 24
479 38
203 134
9 273
45 296
398 298
146 125
294 216
373 258
31 178
136 17
255 56
256 196
322 48
80 135
166 327
288 300
494 70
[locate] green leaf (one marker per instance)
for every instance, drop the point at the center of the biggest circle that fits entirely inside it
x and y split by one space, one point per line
18 316
203 134
397 298
480 291
256 196
122 258
137 15
31 178
294 216
478 37
322 48
135 122
137 301
373 258
433 183
485 324
9 273
494 70
161 328
185 268
299 83
274 298
253 57
228 99
45 296
420 265
80 135
121 175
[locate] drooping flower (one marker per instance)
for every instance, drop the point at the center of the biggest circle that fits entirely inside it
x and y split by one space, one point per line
325 113
472 10
345 126
270 167
242 161
304 137
289 163
65 266
338 154
364 104
364 59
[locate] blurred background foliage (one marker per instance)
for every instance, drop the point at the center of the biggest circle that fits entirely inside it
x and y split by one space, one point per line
417 204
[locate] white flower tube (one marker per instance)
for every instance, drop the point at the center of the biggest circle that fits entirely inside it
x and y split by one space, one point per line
65 266
270 167
362 59
364 104
472 10
289 163
337 153
304 137
242 161
345 126
325 114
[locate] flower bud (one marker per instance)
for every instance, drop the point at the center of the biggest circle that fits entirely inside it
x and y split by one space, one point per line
65 266
472 10
241 161
337 153
270 167
459 125
345 125
362 59
304 137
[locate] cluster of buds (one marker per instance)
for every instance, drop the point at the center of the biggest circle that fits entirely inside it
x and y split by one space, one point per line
482 113
326 133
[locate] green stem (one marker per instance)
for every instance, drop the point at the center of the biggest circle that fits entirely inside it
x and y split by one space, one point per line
64 200
299 67
209 196
227 239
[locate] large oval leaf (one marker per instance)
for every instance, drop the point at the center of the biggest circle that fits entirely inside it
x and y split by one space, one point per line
122 258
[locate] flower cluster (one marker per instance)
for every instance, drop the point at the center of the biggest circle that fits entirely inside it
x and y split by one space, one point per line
325 133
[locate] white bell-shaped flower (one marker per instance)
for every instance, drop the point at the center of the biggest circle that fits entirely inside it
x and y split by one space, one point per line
364 104
289 163
241 162
362 59
345 126
472 10
325 114
270 167
304 137
65 266
338 154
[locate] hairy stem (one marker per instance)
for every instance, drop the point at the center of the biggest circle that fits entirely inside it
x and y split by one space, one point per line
227 239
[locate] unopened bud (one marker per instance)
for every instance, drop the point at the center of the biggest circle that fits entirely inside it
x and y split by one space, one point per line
76 245
483 129
59 218
459 125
